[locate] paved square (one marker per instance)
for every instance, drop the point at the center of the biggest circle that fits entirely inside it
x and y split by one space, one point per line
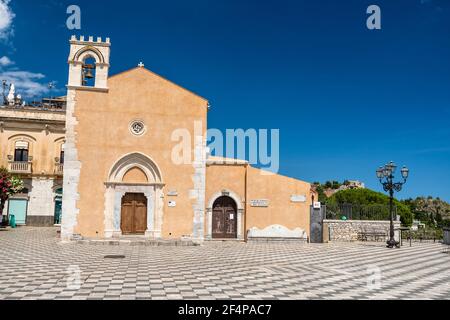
36 266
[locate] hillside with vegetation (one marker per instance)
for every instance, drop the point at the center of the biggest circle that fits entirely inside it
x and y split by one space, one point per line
433 212
370 203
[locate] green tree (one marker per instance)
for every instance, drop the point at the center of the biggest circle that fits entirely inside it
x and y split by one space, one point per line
439 220
431 220
421 216
369 198
335 185
322 196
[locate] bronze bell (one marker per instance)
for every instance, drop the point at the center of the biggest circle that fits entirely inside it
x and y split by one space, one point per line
89 74
88 71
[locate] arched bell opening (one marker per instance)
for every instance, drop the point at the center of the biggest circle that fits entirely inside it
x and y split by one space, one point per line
88 72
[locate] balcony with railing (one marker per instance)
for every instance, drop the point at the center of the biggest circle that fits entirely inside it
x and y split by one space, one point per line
23 167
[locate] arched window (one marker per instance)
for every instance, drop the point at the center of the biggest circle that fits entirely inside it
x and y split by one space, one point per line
21 151
88 72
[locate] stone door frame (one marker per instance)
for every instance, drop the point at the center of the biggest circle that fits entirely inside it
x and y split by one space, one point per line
240 214
116 190
113 213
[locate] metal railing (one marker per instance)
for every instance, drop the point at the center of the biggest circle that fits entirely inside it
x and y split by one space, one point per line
20 166
424 235
372 212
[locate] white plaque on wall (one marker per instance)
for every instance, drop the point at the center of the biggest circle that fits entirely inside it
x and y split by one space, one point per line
263 203
298 198
172 193
317 205
172 204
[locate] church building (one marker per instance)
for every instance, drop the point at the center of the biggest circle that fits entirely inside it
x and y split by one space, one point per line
120 177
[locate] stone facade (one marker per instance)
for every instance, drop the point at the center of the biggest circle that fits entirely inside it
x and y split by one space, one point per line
107 156
350 230
41 197
181 195
42 201
71 171
199 179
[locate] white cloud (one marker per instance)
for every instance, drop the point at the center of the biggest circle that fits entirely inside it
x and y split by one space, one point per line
27 83
6 19
5 61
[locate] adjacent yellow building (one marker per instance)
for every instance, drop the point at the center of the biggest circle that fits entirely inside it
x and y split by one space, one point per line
32 147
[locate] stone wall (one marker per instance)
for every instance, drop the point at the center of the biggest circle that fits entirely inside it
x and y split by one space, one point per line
40 221
41 202
350 230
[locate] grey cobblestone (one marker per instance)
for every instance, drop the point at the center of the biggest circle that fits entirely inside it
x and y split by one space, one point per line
36 264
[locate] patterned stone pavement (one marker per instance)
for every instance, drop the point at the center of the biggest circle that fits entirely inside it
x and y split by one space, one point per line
36 266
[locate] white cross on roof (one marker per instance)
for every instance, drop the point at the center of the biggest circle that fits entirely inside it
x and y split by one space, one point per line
141 64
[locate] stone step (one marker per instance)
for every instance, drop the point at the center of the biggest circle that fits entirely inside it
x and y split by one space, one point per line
135 242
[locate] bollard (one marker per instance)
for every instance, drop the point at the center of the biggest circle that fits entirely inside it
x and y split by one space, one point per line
12 221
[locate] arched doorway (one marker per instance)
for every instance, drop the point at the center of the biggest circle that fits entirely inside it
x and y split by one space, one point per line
134 198
224 218
134 214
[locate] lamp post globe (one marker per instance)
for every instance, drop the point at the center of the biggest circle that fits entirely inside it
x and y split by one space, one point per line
405 172
380 173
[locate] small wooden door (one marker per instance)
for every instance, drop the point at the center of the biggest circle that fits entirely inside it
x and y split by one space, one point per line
134 214
224 219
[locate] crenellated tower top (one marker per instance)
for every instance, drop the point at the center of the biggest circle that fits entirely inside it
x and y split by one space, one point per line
89 60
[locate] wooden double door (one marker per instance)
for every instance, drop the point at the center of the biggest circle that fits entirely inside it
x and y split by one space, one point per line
134 214
224 219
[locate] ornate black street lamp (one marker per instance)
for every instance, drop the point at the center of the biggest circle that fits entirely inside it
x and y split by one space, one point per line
386 176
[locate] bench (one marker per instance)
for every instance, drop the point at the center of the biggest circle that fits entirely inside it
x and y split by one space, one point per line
365 235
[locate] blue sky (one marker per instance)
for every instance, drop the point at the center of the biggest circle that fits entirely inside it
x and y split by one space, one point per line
346 99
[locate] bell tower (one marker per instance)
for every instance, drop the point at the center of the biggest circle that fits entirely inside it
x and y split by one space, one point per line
89 63
88 71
